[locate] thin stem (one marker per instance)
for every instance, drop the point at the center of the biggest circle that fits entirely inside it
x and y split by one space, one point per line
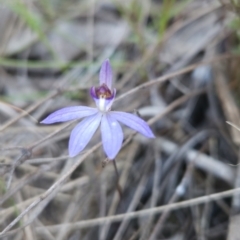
117 183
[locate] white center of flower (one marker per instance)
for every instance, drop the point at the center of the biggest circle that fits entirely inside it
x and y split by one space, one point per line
102 104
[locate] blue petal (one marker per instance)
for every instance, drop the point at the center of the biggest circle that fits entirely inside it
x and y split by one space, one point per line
69 113
133 122
105 76
112 136
82 133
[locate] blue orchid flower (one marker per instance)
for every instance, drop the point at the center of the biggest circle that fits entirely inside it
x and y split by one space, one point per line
111 131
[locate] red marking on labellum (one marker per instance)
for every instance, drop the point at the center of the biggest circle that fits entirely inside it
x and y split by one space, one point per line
103 92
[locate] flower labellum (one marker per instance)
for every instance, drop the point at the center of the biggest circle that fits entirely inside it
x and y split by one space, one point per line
111 131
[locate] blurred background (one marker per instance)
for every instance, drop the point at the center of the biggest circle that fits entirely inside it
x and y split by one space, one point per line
182 56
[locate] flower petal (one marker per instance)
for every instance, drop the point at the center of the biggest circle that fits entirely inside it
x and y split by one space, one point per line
105 76
112 136
93 92
69 113
82 133
133 122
